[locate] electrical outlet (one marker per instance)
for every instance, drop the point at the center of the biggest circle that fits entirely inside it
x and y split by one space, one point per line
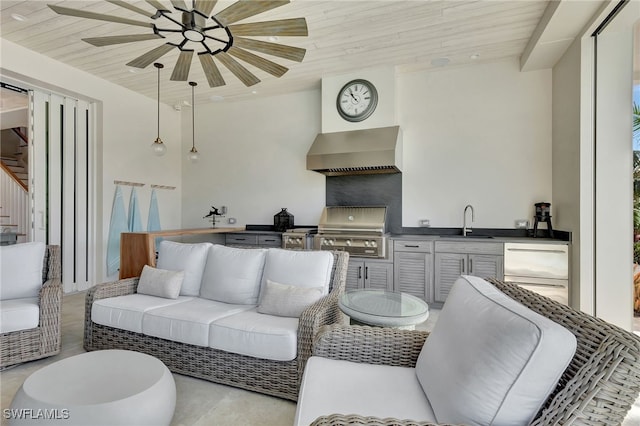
231 220
522 224
424 222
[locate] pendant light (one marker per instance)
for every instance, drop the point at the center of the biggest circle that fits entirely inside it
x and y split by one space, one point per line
157 146
193 155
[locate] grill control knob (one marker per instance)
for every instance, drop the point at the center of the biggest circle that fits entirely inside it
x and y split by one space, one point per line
373 244
348 242
366 243
331 242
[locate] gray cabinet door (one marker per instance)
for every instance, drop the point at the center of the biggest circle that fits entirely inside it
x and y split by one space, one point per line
378 276
449 266
355 275
412 274
486 266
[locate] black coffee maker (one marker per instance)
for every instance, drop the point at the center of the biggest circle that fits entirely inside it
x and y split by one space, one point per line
543 214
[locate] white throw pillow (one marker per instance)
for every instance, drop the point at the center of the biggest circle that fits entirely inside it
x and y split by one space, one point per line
21 270
233 275
160 282
299 268
287 300
189 258
491 360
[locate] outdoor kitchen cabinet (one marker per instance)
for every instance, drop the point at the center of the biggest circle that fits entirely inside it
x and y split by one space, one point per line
369 273
452 259
413 268
254 239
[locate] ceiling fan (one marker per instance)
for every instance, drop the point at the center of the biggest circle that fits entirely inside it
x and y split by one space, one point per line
208 35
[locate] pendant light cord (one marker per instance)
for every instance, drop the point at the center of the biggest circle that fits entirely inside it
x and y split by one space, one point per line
193 118
158 102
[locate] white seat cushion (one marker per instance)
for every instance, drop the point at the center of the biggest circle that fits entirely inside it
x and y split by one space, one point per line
187 322
257 335
342 387
233 275
125 312
19 314
190 258
21 270
489 359
298 268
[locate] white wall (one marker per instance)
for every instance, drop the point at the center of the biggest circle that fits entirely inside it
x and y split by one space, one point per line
127 126
478 135
566 160
253 160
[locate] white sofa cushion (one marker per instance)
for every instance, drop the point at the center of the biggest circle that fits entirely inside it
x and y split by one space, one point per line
233 275
298 268
190 258
160 282
187 322
19 314
342 387
125 312
287 300
257 335
489 359
21 270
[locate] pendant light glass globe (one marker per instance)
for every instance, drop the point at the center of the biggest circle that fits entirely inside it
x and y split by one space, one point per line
158 146
193 155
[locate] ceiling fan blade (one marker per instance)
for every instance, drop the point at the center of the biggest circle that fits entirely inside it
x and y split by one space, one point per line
183 64
109 40
180 5
211 70
136 9
238 70
274 49
159 6
205 7
99 16
282 27
272 68
246 8
143 61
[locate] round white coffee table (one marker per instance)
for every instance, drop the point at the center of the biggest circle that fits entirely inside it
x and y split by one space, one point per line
384 308
110 387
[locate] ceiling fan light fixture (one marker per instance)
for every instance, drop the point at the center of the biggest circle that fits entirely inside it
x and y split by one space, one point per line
158 147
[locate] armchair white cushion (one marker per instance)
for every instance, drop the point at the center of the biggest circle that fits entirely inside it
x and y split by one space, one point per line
489 359
19 314
189 258
21 270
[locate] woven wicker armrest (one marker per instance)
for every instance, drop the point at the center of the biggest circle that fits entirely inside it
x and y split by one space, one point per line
370 345
50 314
353 419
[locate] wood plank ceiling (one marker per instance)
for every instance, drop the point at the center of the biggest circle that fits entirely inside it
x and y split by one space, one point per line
344 36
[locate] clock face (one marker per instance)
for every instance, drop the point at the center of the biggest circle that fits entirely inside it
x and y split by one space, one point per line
357 100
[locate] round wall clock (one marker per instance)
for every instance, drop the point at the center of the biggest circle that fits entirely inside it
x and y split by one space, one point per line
357 100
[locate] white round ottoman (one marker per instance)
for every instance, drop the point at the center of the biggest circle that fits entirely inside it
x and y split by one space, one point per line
110 387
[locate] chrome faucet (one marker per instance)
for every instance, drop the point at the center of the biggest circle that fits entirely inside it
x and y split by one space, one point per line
465 231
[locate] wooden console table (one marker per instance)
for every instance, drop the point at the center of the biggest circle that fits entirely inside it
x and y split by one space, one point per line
139 248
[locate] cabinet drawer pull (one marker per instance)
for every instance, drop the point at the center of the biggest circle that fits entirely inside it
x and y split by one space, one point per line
240 239
270 240
411 246
359 272
462 264
366 272
471 266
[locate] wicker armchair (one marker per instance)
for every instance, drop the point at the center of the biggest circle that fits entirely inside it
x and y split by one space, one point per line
598 388
26 345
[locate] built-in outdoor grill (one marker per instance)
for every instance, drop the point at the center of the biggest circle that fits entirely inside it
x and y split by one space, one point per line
360 231
298 238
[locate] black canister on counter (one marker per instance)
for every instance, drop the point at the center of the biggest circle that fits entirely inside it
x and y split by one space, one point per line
282 220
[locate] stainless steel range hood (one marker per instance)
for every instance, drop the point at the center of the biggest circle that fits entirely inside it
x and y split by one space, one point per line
369 151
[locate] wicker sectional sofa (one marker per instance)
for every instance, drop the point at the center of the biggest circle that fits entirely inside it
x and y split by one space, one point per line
210 338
